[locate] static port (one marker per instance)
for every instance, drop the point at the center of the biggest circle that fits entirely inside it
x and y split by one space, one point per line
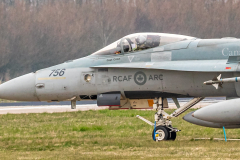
39 85
87 77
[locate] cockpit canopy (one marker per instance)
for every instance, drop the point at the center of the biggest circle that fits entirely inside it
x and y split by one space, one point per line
140 41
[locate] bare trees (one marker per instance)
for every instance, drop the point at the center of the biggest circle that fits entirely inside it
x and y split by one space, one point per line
38 33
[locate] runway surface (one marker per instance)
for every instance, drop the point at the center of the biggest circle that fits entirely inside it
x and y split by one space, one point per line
41 107
47 109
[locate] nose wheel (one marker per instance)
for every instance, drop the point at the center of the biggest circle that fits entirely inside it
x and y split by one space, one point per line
161 133
173 136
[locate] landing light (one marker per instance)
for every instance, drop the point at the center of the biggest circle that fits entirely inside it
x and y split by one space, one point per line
87 77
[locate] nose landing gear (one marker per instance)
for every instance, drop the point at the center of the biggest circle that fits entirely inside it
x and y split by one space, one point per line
163 129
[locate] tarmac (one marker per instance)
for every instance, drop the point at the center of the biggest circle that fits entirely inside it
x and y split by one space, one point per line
38 107
47 109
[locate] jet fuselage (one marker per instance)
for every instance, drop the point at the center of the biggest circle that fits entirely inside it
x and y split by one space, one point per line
67 80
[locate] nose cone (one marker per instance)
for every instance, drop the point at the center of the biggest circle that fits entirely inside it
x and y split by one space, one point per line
19 89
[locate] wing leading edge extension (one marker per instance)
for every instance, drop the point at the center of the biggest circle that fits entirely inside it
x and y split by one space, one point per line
193 65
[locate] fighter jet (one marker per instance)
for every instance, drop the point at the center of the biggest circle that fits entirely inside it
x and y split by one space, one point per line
142 70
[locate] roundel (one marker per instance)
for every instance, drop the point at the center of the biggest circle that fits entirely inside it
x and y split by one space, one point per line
140 78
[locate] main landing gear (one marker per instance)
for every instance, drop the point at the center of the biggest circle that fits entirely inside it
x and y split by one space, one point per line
163 129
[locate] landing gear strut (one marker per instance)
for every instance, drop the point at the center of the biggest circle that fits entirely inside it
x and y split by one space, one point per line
163 129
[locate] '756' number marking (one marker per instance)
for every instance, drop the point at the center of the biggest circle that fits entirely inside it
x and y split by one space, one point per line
57 72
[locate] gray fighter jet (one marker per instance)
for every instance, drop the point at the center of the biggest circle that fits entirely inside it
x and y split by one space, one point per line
142 70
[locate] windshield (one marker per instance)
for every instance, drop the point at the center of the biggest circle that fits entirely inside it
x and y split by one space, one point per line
114 48
141 41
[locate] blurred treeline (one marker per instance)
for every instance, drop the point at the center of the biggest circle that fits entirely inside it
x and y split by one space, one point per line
40 33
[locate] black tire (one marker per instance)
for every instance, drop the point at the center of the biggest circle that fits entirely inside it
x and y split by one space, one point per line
164 133
173 136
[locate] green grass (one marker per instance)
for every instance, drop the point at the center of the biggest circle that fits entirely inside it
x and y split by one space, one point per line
107 134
